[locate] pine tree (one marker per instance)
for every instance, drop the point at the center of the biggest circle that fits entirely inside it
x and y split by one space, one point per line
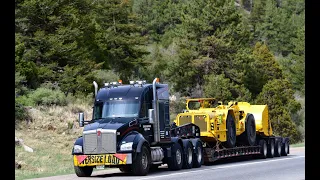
54 36
118 37
263 69
294 65
211 35
278 95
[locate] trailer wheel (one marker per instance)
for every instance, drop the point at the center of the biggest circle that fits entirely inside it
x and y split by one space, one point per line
188 157
277 148
231 133
83 171
126 169
176 160
285 148
198 156
271 149
248 137
142 162
263 149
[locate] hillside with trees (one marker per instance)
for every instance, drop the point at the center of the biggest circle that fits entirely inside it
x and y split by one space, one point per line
228 49
231 50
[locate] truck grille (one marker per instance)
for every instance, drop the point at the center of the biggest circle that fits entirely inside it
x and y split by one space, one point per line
94 144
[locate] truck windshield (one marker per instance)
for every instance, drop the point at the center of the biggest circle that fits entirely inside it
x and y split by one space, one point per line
116 109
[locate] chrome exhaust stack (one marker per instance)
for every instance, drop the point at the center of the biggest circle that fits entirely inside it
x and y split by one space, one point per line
95 88
156 124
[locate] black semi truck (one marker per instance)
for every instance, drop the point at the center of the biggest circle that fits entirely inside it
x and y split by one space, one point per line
130 129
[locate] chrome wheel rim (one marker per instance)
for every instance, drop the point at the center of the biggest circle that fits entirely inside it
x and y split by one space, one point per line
265 149
199 154
189 155
144 161
178 156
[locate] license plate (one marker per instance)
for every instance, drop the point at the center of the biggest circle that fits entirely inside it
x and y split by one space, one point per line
100 167
99 160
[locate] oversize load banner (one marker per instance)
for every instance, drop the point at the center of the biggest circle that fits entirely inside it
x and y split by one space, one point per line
101 159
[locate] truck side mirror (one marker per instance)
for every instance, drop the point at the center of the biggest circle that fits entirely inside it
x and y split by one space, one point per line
151 116
81 119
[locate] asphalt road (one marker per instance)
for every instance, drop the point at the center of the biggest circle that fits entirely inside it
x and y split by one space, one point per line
291 167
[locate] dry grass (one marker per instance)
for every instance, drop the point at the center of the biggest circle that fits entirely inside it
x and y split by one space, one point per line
51 135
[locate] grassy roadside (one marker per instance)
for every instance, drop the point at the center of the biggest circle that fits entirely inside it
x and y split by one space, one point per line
51 136
302 144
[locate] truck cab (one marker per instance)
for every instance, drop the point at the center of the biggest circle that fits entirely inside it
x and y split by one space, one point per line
129 129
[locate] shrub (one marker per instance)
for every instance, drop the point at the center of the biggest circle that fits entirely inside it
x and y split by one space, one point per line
20 112
45 96
105 76
25 101
80 98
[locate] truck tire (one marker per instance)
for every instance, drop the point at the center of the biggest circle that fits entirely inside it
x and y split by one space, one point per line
83 171
141 164
126 169
176 160
231 133
263 149
271 149
277 148
248 137
188 156
198 155
285 148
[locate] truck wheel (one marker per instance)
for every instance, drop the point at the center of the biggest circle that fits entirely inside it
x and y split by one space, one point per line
175 161
197 155
277 148
231 133
142 162
83 171
285 148
263 149
126 169
188 157
248 137
271 149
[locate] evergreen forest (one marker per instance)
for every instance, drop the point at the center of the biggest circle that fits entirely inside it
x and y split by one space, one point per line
243 50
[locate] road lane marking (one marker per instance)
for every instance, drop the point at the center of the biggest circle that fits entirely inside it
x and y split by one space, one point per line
221 167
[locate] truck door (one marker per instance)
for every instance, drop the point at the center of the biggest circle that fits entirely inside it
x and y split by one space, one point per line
164 115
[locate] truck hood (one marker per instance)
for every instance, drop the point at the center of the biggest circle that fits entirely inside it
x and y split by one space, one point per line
108 123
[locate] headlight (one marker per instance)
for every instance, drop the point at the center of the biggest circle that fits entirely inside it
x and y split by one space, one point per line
126 146
77 149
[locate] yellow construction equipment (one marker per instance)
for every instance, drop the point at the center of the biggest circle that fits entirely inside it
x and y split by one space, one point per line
231 124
